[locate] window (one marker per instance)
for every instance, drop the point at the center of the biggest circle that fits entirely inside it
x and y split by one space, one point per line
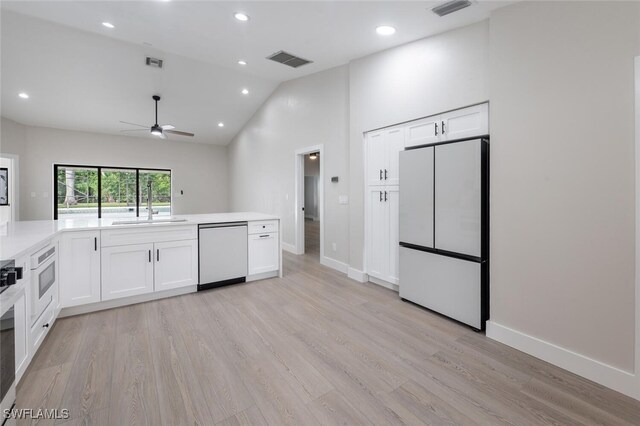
96 191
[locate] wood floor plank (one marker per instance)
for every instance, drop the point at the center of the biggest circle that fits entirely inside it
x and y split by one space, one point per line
333 408
89 385
64 339
249 417
43 389
94 418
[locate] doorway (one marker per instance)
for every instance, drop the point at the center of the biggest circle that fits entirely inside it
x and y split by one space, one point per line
309 201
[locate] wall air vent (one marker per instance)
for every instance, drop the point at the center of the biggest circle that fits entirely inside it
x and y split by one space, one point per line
288 59
154 62
450 7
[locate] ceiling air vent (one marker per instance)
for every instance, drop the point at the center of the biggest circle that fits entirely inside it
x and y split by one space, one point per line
154 62
288 59
450 7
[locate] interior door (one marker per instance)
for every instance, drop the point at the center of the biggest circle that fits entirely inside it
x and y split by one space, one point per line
458 197
378 242
416 198
394 143
376 158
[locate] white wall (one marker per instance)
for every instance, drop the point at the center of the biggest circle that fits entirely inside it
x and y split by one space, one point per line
199 170
415 80
308 111
562 175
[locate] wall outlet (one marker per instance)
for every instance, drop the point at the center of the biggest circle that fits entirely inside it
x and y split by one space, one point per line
334 246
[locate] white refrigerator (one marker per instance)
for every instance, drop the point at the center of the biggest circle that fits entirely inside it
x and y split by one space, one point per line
444 229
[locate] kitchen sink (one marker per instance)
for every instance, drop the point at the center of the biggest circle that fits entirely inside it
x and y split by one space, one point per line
147 221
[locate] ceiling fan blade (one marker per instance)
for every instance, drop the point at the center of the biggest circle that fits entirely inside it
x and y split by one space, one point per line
134 124
167 127
135 130
178 132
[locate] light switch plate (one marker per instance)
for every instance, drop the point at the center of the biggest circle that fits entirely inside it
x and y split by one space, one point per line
343 199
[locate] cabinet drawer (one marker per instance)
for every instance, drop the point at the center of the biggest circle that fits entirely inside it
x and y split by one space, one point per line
42 327
151 234
263 227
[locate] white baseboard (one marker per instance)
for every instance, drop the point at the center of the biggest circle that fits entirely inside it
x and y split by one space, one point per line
289 247
358 275
385 284
335 264
604 374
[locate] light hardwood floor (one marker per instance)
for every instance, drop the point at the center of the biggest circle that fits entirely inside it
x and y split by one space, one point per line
312 237
311 348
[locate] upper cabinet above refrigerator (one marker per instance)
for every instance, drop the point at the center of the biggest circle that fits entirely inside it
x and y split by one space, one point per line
459 124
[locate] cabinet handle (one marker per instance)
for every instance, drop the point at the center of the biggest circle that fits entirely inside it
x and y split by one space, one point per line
385 174
46 325
380 174
436 129
385 195
264 236
149 256
380 195
95 243
158 254
443 127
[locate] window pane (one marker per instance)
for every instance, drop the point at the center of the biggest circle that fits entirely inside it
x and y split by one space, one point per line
118 193
77 192
160 192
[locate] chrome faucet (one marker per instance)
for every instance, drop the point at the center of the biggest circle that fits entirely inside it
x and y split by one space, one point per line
149 200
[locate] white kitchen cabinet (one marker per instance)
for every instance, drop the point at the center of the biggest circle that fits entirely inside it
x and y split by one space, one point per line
127 270
79 268
382 156
263 253
176 264
22 311
458 124
383 237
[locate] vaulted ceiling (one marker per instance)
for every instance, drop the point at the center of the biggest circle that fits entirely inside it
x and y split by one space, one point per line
82 75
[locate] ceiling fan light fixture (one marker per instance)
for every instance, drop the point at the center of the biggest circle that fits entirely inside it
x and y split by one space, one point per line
156 130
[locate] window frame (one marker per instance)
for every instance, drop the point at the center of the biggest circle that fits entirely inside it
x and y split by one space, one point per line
99 169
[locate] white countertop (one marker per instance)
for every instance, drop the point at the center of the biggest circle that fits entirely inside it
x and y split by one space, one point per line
19 238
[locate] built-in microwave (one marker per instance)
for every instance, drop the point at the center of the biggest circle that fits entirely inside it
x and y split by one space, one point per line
43 280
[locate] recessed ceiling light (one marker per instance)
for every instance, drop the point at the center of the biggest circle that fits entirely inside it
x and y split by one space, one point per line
385 30
23 95
108 25
221 124
241 17
241 62
245 91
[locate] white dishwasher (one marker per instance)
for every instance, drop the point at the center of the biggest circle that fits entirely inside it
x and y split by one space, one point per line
222 254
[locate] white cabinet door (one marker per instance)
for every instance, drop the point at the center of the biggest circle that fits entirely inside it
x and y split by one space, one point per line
458 197
422 132
393 208
416 200
394 143
176 264
378 233
465 122
79 268
127 271
21 334
376 158
263 253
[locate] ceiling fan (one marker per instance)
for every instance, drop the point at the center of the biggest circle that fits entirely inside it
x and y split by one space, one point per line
156 129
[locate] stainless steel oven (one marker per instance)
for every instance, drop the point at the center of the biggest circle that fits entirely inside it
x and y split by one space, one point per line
43 280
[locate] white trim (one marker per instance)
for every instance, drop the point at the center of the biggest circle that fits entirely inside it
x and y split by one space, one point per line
385 284
299 197
607 375
289 247
358 275
15 195
637 263
334 264
262 276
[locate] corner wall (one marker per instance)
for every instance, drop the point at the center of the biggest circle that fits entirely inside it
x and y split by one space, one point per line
308 111
562 184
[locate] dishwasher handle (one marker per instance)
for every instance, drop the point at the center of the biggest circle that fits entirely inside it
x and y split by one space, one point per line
222 225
